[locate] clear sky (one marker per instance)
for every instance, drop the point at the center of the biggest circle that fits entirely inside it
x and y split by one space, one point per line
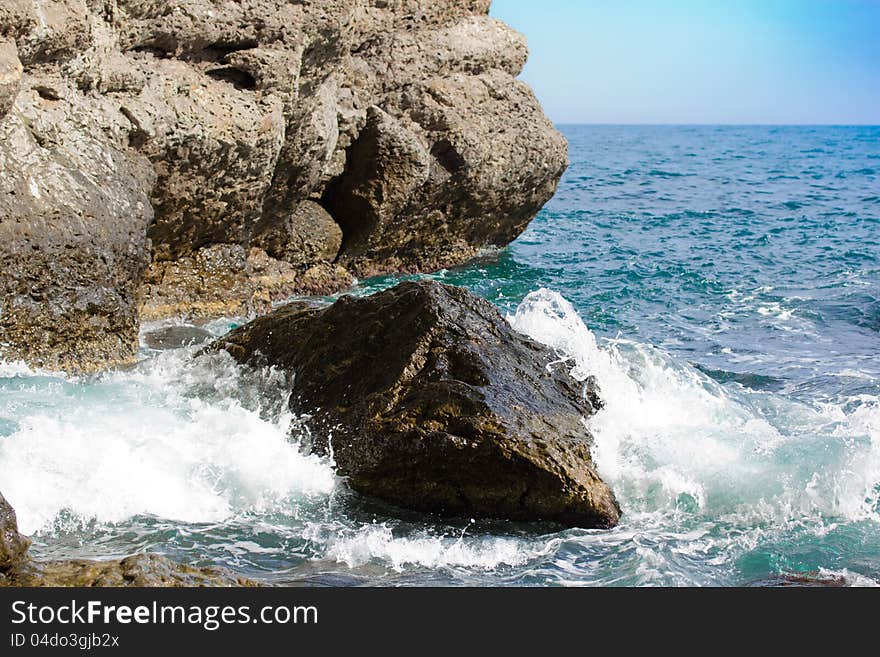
702 61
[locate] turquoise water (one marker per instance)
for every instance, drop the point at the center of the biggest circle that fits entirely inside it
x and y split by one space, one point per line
723 284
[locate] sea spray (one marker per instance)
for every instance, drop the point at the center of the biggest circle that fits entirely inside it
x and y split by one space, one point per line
177 438
671 438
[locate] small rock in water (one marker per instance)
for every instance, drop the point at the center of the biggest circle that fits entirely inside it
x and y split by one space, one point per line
175 337
13 546
801 580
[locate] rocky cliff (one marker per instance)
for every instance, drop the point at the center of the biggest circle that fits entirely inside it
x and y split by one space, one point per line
208 157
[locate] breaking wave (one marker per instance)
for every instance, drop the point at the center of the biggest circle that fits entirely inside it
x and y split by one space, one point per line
672 439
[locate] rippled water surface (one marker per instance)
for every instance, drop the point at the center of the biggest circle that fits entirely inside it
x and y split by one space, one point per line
723 284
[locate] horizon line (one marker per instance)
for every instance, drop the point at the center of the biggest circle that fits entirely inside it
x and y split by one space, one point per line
717 125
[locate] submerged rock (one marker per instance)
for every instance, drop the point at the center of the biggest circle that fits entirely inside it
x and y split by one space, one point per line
174 337
18 569
429 400
140 570
801 580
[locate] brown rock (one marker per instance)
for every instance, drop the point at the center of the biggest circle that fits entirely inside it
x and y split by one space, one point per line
10 75
48 31
495 160
74 211
323 279
13 546
802 580
140 570
214 148
212 282
226 280
387 166
309 235
312 142
430 401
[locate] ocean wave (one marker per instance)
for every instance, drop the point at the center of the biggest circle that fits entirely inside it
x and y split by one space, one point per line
378 543
671 438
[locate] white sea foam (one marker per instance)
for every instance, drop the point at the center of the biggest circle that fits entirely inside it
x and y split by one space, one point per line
775 310
671 438
378 542
142 443
851 579
19 369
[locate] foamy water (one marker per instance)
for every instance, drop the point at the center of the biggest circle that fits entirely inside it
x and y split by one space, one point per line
730 316
195 457
178 439
670 437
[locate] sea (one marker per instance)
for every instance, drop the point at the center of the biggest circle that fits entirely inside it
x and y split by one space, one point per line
721 283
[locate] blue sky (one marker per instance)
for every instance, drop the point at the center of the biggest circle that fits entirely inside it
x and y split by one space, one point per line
702 61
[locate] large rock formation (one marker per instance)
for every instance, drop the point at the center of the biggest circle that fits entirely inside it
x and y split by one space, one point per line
205 157
431 401
74 213
18 569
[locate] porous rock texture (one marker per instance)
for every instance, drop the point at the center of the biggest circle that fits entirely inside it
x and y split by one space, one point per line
142 570
203 157
429 400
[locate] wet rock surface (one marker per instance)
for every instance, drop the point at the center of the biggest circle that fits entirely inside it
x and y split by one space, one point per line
306 142
174 337
13 546
430 401
801 580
